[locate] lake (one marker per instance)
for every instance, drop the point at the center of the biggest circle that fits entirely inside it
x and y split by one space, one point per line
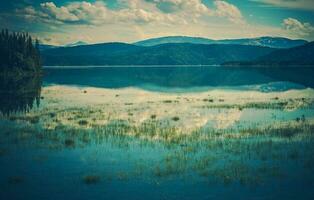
198 132
182 78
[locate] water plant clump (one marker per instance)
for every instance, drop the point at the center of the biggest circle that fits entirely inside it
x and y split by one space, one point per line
83 122
208 100
69 143
167 101
91 179
176 118
224 156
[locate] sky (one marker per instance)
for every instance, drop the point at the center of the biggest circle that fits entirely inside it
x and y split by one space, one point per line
59 22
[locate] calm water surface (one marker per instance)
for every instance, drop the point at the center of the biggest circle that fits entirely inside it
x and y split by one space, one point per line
183 78
33 166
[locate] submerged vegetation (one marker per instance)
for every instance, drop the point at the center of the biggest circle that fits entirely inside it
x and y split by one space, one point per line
248 156
91 179
152 141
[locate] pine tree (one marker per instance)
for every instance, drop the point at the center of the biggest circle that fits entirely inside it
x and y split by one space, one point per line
18 53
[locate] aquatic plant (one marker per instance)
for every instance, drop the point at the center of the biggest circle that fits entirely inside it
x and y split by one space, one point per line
208 100
91 179
176 118
167 101
83 122
69 143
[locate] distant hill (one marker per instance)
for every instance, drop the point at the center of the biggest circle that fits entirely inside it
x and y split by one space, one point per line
165 54
78 43
43 47
301 55
174 39
273 42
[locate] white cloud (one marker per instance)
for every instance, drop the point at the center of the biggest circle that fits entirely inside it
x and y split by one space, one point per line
229 11
139 11
91 14
62 13
141 19
297 28
295 4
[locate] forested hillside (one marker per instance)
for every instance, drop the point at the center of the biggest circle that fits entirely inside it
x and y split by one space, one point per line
301 55
165 54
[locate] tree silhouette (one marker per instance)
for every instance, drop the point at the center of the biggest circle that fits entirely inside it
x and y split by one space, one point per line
18 53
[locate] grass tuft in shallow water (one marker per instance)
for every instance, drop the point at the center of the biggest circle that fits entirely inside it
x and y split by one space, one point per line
91 179
69 143
83 122
176 118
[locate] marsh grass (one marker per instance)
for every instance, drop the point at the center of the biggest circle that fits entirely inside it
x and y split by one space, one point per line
225 155
276 104
30 119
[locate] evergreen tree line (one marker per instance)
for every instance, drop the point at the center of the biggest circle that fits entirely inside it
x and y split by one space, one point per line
19 53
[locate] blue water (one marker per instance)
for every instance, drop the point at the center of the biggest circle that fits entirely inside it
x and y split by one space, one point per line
180 79
57 174
36 167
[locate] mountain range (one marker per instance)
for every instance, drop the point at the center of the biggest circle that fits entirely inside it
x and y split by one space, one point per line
181 50
273 42
301 55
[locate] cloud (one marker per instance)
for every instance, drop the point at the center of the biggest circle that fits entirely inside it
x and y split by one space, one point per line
90 14
196 8
129 21
293 4
229 11
74 13
138 11
297 28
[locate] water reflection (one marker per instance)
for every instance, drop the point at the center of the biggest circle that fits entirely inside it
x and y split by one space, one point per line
19 94
159 78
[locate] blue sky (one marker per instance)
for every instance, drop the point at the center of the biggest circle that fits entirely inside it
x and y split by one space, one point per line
93 21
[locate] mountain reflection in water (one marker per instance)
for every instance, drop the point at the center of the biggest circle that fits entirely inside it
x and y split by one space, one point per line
186 78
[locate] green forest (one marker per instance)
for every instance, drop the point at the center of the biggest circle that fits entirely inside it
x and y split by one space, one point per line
19 53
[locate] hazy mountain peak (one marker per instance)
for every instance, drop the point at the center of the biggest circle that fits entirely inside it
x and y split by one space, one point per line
78 43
